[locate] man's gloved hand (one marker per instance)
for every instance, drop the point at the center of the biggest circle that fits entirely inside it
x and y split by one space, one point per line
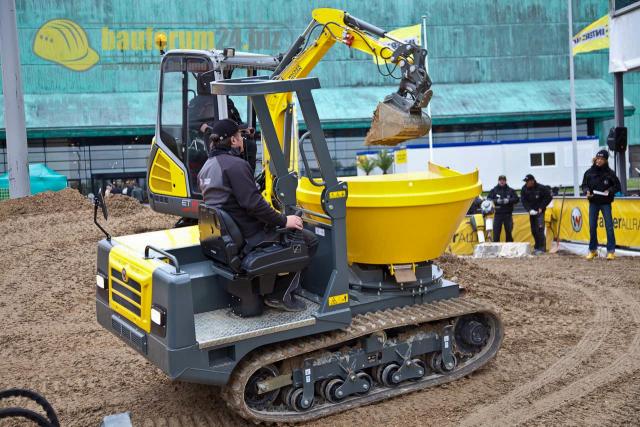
294 222
505 201
533 212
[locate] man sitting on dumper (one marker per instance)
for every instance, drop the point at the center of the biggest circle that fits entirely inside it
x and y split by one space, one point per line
226 182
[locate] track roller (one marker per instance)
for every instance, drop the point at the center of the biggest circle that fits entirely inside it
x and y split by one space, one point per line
293 398
437 365
366 377
331 392
388 375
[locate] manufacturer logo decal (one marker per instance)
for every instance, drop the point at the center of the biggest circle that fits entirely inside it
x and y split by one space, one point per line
124 275
576 219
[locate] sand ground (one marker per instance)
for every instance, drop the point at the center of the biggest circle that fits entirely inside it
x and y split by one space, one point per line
570 354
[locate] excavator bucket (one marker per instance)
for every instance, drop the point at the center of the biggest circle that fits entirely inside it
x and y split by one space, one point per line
392 125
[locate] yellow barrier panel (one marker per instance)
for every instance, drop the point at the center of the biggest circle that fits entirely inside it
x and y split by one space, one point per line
575 221
465 238
574 226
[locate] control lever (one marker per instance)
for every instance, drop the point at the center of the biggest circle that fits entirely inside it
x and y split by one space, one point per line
295 235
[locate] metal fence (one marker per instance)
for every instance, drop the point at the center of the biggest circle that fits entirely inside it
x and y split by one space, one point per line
80 163
83 164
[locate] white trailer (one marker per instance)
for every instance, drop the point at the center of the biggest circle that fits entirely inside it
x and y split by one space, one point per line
548 159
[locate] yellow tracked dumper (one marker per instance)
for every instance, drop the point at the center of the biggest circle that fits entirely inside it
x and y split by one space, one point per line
380 318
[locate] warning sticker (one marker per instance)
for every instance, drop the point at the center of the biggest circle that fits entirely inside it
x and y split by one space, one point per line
338 299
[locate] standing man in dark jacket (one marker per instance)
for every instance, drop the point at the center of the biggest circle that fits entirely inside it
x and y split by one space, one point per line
535 198
600 184
226 181
504 198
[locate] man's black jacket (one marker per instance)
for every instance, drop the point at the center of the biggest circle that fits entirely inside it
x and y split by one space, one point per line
600 179
501 194
226 182
536 197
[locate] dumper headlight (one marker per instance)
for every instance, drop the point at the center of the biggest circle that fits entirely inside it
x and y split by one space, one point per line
158 315
99 281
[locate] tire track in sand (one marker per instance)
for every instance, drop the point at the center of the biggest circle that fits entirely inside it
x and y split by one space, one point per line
625 364
588 345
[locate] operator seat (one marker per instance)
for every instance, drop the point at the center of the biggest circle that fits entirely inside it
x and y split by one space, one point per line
254 270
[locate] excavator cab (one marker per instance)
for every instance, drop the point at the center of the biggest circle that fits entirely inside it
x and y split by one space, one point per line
186 104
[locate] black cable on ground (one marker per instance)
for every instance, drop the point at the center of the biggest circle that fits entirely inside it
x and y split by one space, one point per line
50 421
30 415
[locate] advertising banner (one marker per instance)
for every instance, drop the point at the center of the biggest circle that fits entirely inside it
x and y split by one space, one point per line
465 238
574 226
593 37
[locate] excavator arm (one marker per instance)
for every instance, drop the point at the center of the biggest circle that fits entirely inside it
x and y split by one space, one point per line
338 26
397 118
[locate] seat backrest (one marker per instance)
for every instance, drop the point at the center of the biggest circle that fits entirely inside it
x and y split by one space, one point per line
220 236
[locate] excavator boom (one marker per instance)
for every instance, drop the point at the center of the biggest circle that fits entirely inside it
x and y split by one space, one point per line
399 116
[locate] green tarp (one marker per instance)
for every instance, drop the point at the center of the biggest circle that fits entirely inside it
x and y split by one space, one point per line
41 177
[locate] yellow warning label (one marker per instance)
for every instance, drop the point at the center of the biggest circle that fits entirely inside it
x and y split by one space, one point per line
337 194
338 299
401 156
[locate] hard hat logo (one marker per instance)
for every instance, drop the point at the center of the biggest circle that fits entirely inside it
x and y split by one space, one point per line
64 42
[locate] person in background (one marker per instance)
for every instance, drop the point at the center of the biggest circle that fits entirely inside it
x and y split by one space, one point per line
129 188
535 198
600 184
116 188
108 189
504 198
137 193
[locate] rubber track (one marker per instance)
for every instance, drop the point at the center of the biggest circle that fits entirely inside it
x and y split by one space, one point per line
361 325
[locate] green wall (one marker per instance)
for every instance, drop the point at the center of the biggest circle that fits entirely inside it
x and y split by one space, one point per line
471 41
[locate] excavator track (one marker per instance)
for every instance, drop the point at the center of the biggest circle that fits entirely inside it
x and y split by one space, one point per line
362 326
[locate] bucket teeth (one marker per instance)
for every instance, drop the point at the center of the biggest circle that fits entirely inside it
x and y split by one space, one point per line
392 126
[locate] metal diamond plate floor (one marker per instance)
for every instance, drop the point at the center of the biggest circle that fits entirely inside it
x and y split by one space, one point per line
218 327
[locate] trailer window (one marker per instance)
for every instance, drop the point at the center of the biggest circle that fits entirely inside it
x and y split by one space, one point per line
542 159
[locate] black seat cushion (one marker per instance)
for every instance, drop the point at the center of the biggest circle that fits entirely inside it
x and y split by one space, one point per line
220 237
221 240
275 259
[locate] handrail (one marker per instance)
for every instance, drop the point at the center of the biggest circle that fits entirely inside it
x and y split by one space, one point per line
307 169
172 258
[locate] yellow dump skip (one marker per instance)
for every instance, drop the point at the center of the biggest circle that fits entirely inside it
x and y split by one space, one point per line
401 218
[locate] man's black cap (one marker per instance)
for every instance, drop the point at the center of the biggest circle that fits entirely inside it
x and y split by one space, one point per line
224 128
502 177
529 177
603 153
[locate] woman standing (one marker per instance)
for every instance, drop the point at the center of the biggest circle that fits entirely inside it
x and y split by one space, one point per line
600 184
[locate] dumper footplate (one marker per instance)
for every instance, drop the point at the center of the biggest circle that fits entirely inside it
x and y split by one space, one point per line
218 327
417 322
